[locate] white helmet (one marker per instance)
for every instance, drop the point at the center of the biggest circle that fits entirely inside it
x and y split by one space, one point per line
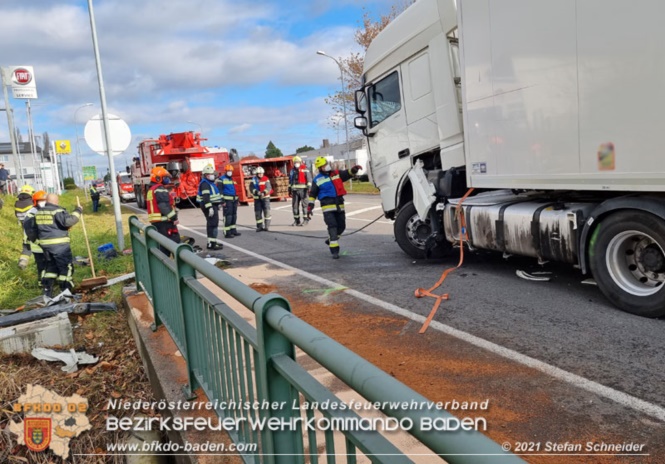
259 171
208 169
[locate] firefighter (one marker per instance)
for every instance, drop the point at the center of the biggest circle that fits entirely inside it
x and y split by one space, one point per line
209 199
227 186
94 196
261 191
38 201
21 207
50 227
300 181
159 203
328 188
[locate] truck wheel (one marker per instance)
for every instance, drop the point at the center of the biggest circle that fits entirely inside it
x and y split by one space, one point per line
627 258
411 234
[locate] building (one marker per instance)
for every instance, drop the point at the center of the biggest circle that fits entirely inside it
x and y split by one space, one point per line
357 153
30 164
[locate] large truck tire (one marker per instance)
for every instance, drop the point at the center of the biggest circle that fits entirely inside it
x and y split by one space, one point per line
411 235
140 199
627 259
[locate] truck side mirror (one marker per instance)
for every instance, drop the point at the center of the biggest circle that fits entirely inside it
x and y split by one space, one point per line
361 101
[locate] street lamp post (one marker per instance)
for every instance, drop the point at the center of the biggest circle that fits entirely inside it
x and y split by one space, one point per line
341 75
78 146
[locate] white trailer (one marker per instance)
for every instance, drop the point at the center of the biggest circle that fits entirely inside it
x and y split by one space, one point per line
552 110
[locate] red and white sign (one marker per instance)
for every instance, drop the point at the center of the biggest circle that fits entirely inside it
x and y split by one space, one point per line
23 82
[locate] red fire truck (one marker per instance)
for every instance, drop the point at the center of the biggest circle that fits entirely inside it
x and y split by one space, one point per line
183 155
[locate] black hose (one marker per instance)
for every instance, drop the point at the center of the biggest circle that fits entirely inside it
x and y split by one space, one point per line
313 236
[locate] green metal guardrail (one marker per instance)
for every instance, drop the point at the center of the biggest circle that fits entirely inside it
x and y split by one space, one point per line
234 362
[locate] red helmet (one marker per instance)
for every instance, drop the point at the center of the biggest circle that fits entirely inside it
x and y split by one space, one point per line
39 195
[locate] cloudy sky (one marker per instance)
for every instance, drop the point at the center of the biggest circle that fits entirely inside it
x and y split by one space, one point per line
246 71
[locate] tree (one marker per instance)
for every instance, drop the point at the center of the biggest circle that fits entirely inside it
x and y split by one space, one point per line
352 65
272 151
107 177
305 148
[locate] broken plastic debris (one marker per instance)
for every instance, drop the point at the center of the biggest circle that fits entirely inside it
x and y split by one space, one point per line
71 358
589 282
533 278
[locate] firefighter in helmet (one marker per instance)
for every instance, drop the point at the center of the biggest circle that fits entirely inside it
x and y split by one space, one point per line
50 228
160 206
261 191
227 186
300 181
38 201
328 188
209 199
24 204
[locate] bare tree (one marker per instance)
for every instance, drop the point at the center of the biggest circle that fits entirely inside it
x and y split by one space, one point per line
352 65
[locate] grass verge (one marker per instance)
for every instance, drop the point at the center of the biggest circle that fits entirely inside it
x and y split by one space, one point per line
360 187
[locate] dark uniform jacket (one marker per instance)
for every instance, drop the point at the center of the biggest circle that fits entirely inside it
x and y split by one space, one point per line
50 225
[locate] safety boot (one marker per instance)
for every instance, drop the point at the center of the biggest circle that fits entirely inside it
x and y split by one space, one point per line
236 233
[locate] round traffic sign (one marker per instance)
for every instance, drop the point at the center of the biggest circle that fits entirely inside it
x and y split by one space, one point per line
119 134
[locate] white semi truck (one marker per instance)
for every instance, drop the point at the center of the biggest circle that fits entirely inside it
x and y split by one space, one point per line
552 110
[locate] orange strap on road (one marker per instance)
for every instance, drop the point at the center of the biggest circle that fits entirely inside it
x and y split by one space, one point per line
421 292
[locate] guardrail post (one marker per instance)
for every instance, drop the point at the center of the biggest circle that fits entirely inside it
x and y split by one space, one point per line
151 243
184 270
279 446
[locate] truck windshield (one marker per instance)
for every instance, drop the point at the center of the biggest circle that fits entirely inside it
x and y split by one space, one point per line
384 99
124 179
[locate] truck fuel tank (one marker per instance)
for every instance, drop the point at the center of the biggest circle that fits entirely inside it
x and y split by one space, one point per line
543 228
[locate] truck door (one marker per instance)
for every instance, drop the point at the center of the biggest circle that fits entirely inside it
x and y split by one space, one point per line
389 140
419 104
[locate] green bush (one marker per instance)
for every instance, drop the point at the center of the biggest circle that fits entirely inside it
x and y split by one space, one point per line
70 183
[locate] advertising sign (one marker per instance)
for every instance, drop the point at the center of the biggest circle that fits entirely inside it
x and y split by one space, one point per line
63 147
23 82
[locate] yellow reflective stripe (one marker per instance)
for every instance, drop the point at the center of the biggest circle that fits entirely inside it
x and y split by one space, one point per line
49 275
77 214
322 181
328 207
24 257
334 245
22 210
171 214
54 241
228 197
227 182
148 197
36 248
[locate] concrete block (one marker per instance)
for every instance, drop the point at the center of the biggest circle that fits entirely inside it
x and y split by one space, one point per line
23 338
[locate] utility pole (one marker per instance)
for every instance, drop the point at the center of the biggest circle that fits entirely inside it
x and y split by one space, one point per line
36 161
10 123
107 137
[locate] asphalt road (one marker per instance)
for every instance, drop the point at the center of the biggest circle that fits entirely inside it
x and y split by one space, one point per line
563 323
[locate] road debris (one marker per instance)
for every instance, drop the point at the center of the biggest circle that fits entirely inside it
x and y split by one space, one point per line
71 358
23 338
534 278
49 311
589 282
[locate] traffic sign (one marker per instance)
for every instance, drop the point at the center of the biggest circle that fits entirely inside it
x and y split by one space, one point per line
89 172
119 134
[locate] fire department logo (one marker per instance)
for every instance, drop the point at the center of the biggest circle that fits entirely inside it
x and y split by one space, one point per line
37 433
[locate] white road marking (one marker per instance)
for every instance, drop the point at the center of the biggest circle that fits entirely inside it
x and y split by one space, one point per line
364 210
621 398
